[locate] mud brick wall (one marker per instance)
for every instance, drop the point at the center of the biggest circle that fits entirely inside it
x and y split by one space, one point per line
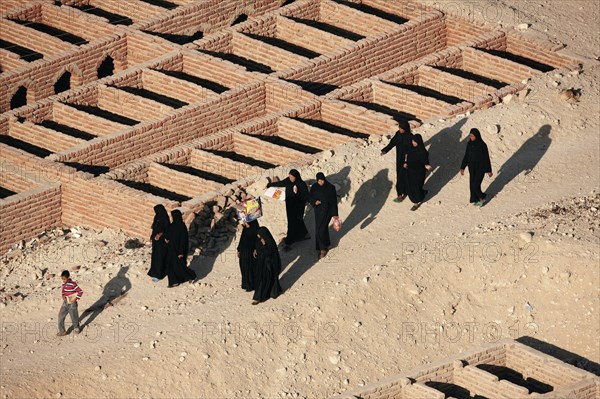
281 96
177 88
306 9
457 370
550 371
265 25
223 72
222 166
29 213
39 78
397 98
130 105
100 203
480 382
142 47
378 54
188 123
495 67
259 149
272 56
459 31
302 133
136 10
75 21
43 137
14 182
207 16
349 117
453 85
93 124
219 42
308 37
10 61
405 9
33 39
545 53
172 180
352 20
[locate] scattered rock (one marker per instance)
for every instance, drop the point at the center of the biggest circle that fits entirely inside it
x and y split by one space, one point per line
97 368
493 129
570 95
335 358
523 26
527 236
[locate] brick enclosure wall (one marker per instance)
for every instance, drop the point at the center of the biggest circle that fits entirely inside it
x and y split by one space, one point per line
408 42
250 104
208 16
495 67
185 124
222 166
28 213
354 21
67 115
430 381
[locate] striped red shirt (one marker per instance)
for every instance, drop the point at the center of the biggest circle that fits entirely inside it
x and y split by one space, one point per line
71 287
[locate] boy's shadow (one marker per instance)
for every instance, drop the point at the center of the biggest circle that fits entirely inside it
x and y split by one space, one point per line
114 290
304 255
525 159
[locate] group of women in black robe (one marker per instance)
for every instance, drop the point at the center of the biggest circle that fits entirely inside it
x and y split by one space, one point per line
412 164
169 248
259 259
260 263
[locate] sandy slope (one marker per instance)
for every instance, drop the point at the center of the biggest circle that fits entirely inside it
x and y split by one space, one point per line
401 289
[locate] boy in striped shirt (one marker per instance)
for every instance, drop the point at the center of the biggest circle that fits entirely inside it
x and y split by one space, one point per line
71 294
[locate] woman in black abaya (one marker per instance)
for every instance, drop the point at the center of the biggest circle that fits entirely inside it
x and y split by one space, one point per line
417 165
323 198
477 158
402 142
296 196
177 250
268 266
245 253
159 246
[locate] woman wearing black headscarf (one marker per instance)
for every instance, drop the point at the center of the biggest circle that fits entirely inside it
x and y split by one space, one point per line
268 266
417 164
401 141
296 196
177 250
477 158
159 246
245 253
323 198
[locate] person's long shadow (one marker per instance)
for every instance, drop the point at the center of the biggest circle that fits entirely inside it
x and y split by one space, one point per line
114 290
445 155
367 202
525 159
211 255
304 255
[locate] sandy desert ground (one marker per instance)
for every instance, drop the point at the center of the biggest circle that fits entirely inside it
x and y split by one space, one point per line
400 289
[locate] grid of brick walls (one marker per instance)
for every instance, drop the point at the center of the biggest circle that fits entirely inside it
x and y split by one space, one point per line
458 374
229 108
